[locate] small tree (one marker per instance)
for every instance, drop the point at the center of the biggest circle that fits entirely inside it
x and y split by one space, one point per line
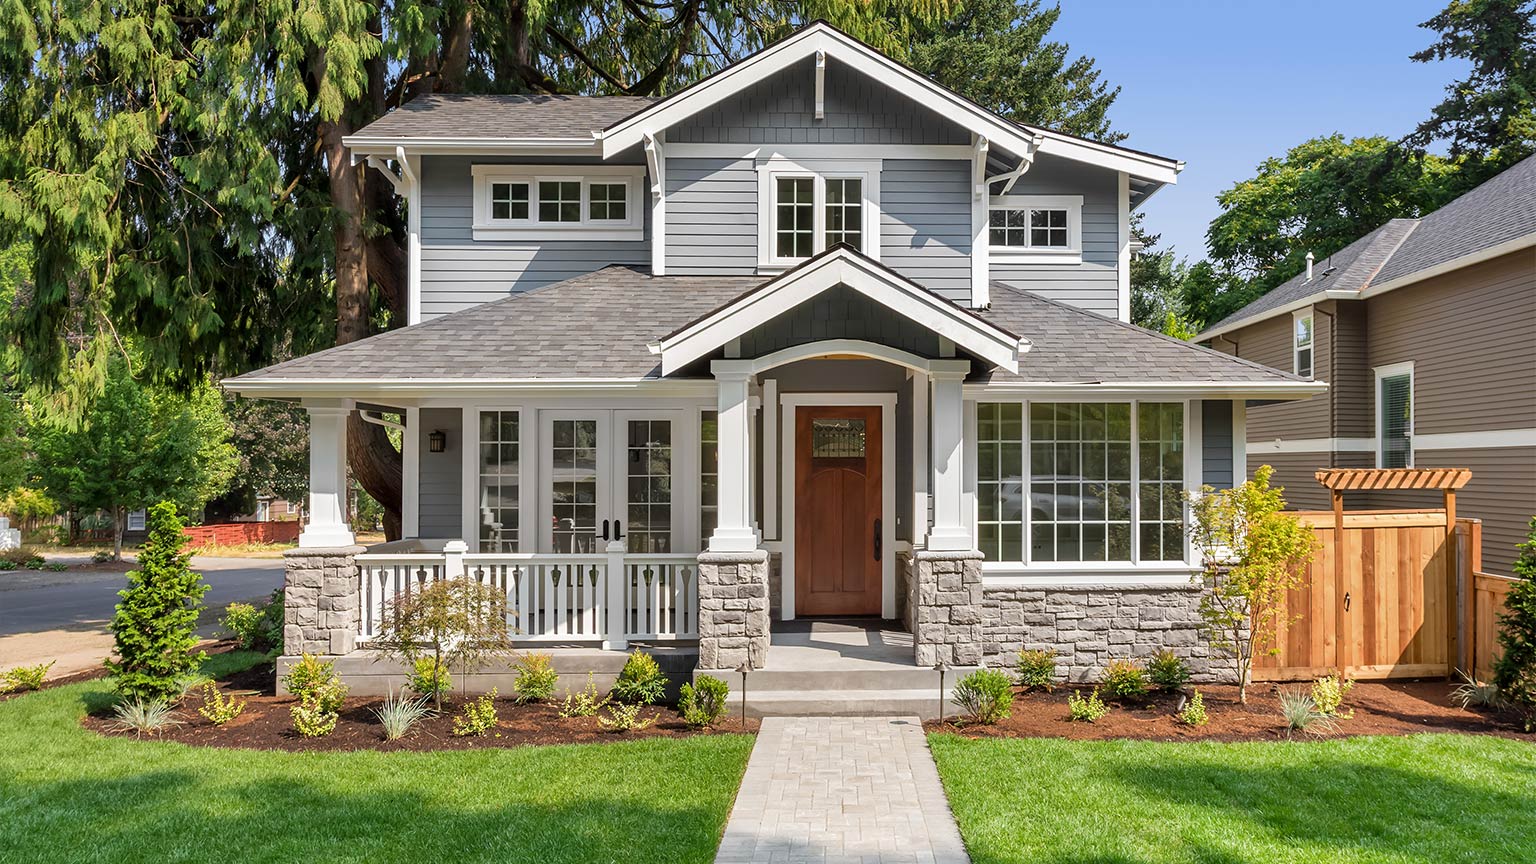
1253 555
1514 673
154 624
458 622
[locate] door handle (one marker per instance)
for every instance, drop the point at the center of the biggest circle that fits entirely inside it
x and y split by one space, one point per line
605 529
1346 601
618 530
879 539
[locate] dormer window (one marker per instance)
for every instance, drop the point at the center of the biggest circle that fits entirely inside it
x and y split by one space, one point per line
1301 344
1036 228
533 202
807 207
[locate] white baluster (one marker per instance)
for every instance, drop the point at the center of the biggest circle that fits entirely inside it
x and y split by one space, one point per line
616 577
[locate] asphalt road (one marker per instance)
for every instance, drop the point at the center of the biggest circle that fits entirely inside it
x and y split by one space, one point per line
82 601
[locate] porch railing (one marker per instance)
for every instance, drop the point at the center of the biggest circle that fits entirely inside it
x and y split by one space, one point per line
608 598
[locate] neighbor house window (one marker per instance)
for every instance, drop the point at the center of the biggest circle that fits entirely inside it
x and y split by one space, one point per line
709 475
560 201
1049 226
809 207
1301 344
499 477
514 202
1394 416
1078 482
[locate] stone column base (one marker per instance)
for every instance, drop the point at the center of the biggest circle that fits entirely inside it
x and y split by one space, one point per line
733 609
320 600
945 600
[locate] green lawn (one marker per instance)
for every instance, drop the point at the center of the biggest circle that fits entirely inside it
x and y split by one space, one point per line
1427 799
70 795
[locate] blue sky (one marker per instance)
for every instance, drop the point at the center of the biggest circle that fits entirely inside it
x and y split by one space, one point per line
1222 85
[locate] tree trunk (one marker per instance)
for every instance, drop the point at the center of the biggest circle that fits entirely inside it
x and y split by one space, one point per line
119 525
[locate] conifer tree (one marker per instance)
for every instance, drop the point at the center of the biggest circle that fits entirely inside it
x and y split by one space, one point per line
154 624
1515 670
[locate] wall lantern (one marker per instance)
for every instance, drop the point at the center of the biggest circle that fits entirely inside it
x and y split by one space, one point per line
437 441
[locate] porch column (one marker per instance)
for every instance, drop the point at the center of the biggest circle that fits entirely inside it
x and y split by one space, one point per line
733 531
327 526
951 528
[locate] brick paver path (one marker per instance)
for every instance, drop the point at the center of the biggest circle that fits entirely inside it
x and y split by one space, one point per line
841 789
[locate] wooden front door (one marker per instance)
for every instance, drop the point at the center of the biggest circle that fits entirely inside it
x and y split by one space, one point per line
837 511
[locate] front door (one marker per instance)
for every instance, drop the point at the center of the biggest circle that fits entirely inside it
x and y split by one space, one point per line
837 510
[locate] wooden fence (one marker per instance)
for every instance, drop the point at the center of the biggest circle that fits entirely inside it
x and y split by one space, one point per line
1395 608
239 533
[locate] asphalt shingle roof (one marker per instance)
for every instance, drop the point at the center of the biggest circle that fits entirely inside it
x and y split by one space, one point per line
597 326
441 115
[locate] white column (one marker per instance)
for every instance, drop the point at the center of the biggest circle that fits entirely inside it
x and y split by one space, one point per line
327 474
920 424
951 530
410 474
733 531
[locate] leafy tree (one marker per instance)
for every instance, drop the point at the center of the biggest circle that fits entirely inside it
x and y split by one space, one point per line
452 622
136 445
1514 673
998 54
15 459
272 442
1157 286
1488 117
154 626
1254 554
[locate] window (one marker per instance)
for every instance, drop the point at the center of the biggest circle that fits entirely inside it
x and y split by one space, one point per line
1079 482
263 511
845 211
136 520
1302 344
1394 416
1045 227
499 475
709 475
794 229
560 201
809 206
649 470
509 201
1048 229
607 202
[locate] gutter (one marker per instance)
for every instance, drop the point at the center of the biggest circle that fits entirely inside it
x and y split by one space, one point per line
1309 300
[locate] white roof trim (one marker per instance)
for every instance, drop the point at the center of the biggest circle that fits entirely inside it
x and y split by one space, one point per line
1478 257
839 267
442 145
1150 389
822 37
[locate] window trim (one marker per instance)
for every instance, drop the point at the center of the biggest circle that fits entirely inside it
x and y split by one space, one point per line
1296 347
771 169
1380 374
486 228
1071 254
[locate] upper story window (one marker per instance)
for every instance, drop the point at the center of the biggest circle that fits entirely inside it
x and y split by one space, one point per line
806 207
1035 228
1301 344
1394 416
532 202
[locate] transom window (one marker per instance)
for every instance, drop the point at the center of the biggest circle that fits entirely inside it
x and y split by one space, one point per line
807 208
1302 344
607 202
1046 225
525 203
1080 481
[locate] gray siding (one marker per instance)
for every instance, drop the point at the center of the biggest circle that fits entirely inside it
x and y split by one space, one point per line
925 223
1093 284
1216 443
458 272
440 488
711 217
781 110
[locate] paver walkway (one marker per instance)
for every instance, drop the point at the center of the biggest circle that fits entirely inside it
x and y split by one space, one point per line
841 789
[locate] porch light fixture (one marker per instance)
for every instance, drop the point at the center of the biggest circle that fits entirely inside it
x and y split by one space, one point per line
437 441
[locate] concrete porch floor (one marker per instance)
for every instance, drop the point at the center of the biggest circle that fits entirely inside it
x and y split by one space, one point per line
839 644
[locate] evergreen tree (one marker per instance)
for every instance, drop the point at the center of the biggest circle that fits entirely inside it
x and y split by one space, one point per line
1515 671
154 626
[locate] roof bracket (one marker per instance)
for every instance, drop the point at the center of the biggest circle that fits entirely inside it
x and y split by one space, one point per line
1026 160
821 84
401 184
654 163
979 167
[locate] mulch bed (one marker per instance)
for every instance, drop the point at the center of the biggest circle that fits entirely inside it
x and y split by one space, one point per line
1385 708
266 724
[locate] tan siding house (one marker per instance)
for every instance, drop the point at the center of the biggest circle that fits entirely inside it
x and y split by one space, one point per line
1425 331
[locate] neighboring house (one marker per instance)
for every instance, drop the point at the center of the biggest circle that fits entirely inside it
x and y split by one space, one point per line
1425 331
812 337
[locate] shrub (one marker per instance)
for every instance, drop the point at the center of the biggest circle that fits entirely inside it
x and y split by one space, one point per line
398 714
314 682
641 682
478 716
23 678
1193 712
1301 713
218 708
536 678
1514 673
55 566
7 565
623 717
1037 669
1472 692
429 678
455 622
1125 679
101 556
22 558
256 628
986 696
145 716
1168 671
313 721
703 702
1328 693
189 682
583 703
154 624
1087 710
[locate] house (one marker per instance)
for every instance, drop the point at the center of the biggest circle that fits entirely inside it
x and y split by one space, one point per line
813 337
1425 330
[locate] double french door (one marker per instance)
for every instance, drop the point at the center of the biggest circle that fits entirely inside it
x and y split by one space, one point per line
611 475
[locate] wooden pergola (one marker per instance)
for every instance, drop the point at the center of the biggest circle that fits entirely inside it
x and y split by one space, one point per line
1443 480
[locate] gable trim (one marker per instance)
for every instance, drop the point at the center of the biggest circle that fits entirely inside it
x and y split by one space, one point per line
839 266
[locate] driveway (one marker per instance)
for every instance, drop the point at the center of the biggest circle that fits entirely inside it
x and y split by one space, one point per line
63 616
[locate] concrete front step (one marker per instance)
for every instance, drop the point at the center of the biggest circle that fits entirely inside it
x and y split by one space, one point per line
887 678
845 703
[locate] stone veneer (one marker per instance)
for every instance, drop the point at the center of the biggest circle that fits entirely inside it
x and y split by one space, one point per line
1094 624
320 606
733 609
944 600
